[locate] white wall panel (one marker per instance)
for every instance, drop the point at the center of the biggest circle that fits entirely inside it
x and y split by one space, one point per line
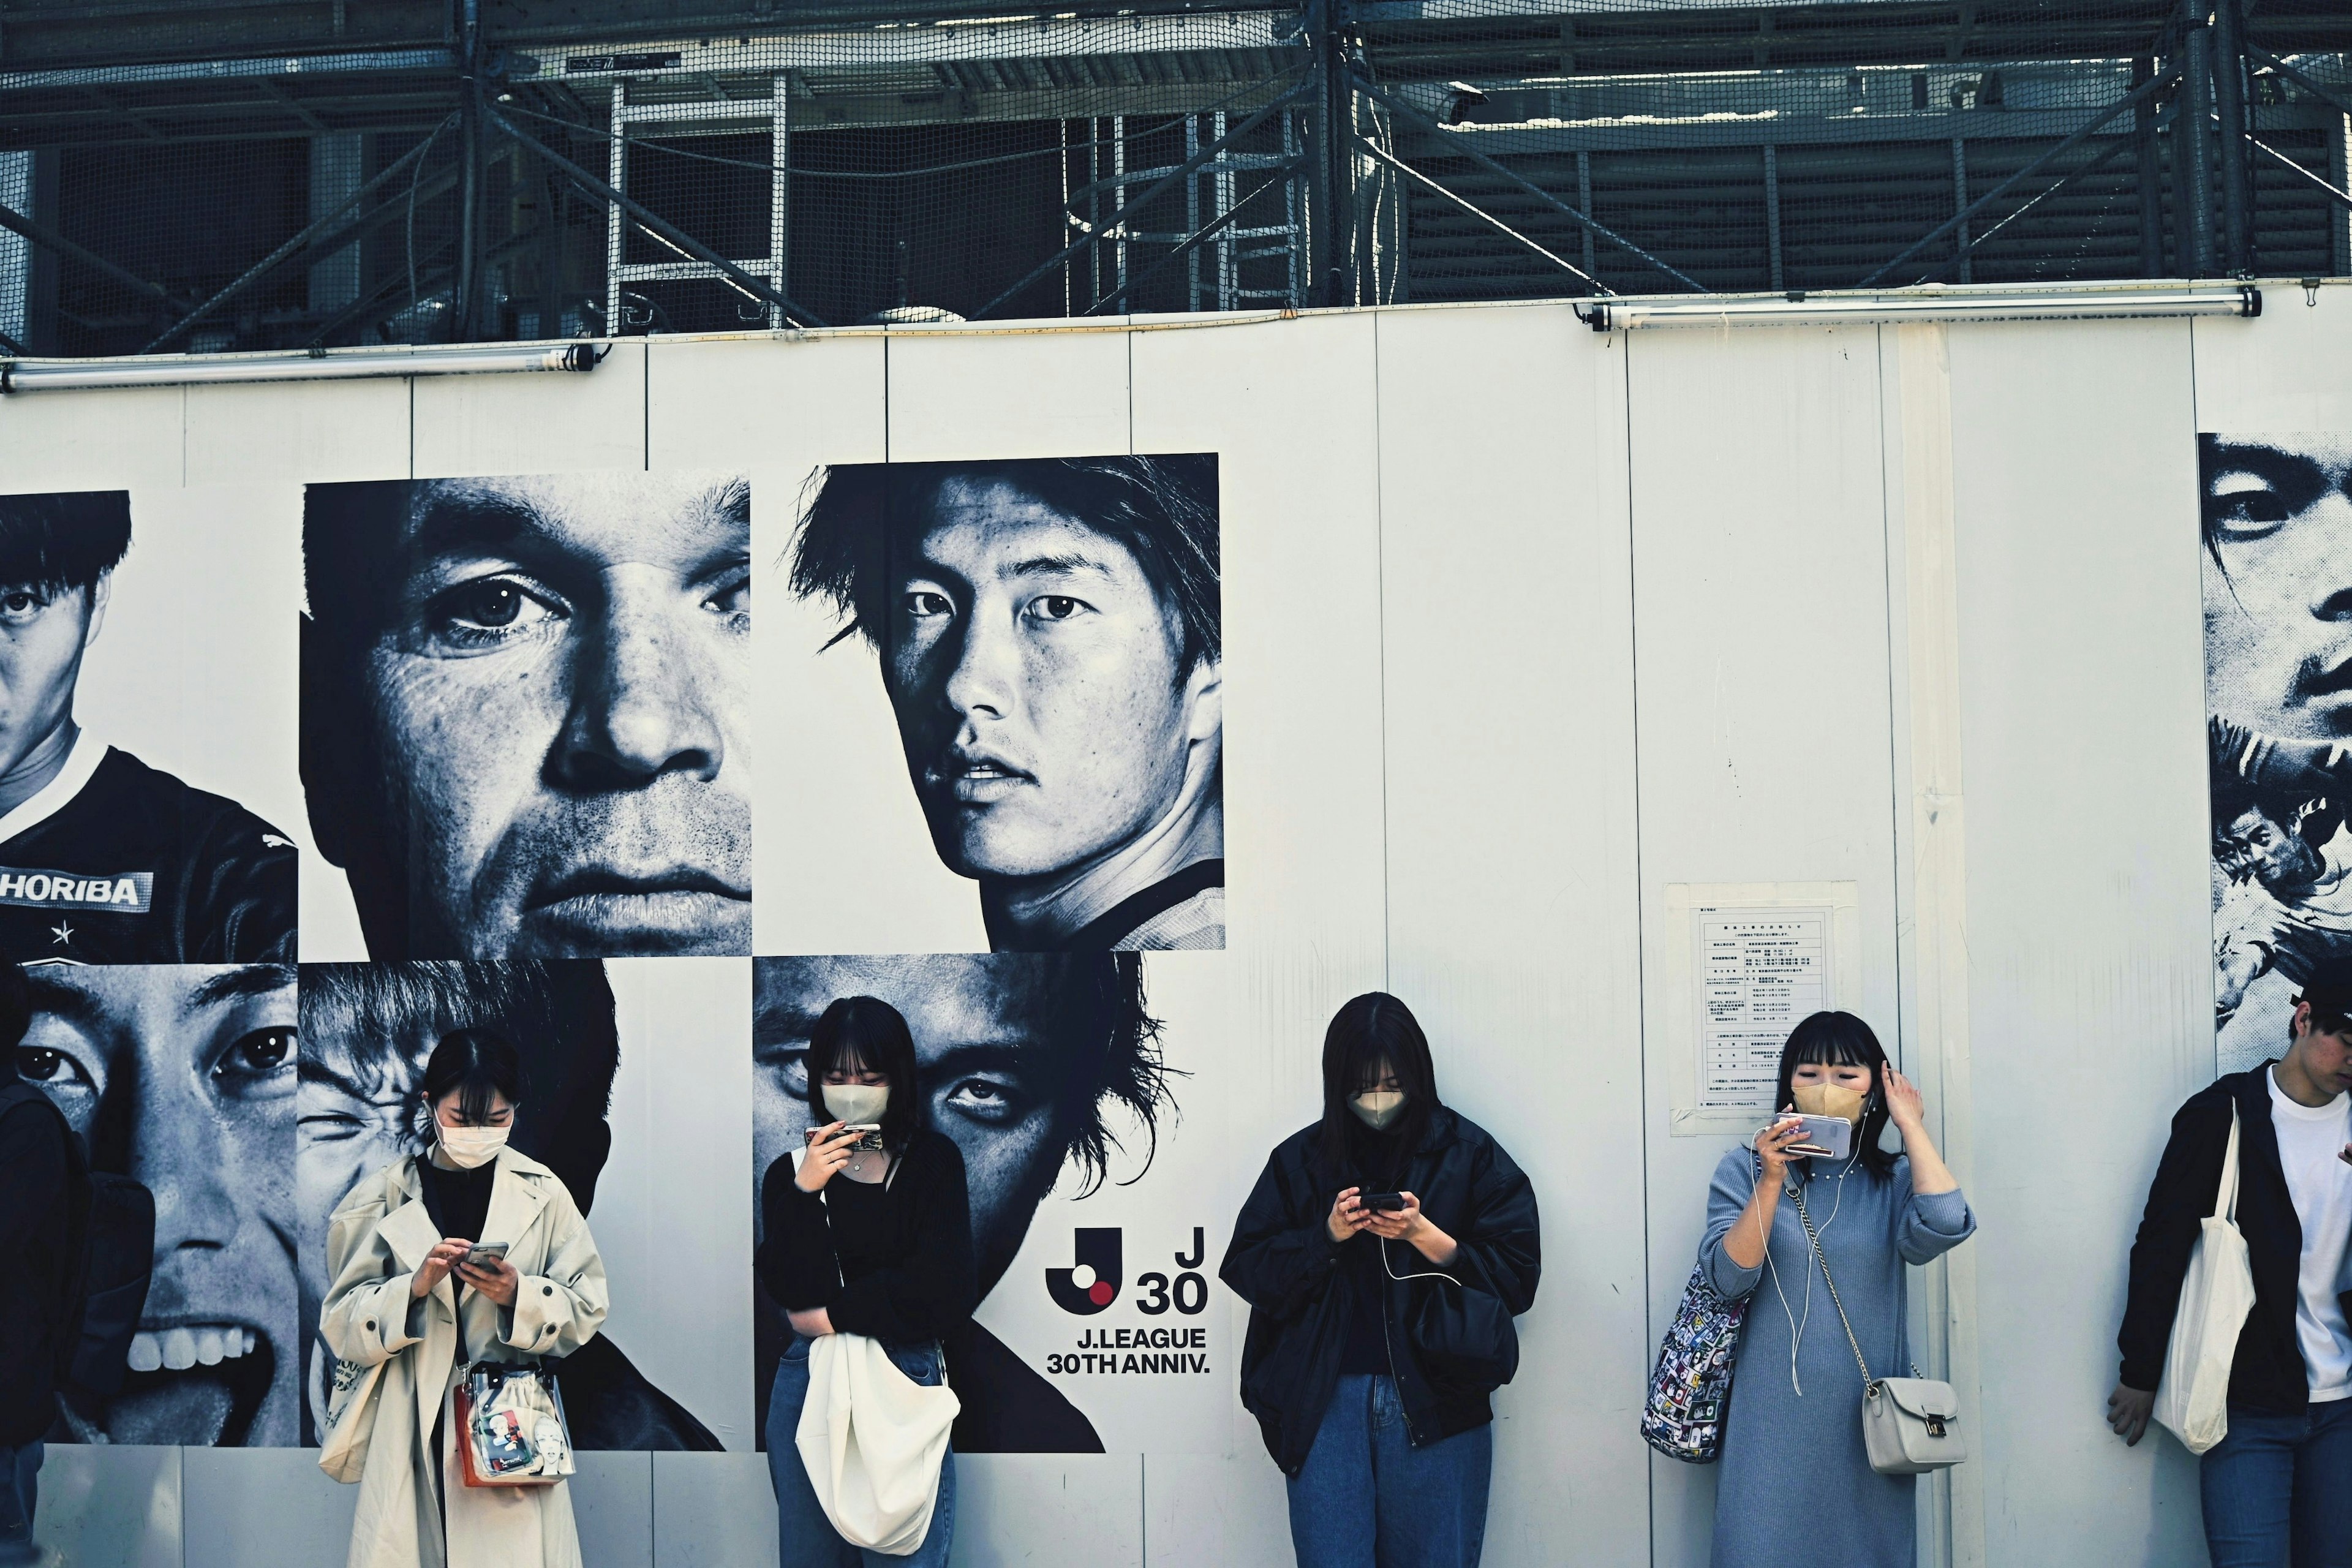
533 422
1049 1509
93 440
1232 1511
2091 1002
110 1507
711 1509
287 430
1059 394
1507 613
762 403
2284 371
1762 682
263 1508
613 1508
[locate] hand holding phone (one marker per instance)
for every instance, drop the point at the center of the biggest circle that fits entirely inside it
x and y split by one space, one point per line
483 1254
1383 1202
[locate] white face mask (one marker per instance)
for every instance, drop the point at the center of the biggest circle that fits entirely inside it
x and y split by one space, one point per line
857 1101
468 1147
1376 1107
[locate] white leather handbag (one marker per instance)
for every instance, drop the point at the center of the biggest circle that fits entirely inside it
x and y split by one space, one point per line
2192 1400
872 1439
1907 1423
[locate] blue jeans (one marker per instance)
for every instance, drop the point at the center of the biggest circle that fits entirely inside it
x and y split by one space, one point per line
804 1537
2277 1491
1368 1499
20 1477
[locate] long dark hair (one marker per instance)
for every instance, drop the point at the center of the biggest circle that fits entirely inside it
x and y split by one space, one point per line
479 1064
866 1033
1840 1039
1366 1031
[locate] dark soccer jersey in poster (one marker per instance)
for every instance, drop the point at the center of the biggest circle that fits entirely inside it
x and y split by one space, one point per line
138 867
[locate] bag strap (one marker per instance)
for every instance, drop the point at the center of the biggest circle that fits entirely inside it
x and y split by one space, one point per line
1868 1382
2225 1196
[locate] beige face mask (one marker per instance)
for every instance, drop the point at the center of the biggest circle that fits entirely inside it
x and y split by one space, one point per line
1376 1107
1830 1100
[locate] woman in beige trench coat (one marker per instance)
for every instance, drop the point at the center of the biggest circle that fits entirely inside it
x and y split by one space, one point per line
378 1241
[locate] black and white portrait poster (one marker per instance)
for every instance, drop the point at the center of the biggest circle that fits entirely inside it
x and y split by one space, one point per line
525 713
2277 523
149 826
635 1071
1003 685
1086 1092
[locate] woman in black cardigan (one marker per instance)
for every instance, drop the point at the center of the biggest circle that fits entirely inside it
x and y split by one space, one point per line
862 1240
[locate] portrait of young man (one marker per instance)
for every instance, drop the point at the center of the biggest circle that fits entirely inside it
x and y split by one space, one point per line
1050 638
524 712
181 1077
2278 532
367 1032
1025 1059
104 860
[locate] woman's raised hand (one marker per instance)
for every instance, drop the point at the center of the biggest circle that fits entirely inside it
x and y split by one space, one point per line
828 1153
1904 1106
1348 1215
1772 1145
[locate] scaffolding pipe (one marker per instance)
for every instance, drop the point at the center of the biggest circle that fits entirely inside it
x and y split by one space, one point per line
2230 108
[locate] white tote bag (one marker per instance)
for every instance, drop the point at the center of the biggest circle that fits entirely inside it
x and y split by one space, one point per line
2193 1399
872 1439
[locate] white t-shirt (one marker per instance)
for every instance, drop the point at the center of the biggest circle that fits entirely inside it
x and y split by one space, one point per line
2309 1138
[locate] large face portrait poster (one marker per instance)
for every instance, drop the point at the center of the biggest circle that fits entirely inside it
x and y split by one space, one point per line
492 738
1085 1092
2278 683
1003 682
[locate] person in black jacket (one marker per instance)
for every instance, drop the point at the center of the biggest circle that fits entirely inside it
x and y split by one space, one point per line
863 1235
37 1243
2272 1488
1383 1252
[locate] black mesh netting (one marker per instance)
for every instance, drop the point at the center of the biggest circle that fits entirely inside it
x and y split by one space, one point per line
291 175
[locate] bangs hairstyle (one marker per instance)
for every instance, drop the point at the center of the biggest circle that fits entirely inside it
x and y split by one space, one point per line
1162 511
864 1033
65 540
1840 1039
1365 1032
478 1064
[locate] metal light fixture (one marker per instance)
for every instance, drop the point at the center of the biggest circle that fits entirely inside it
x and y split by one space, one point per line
23 375
1989 304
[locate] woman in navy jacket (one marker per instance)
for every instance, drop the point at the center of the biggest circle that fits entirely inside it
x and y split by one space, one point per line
1377 1333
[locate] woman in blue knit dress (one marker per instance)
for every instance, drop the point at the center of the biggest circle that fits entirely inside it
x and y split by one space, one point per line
1796 1483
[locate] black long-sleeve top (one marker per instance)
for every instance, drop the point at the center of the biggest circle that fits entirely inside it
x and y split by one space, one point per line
2267 1372
894 1262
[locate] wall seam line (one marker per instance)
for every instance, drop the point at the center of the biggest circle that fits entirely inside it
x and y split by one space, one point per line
1624 345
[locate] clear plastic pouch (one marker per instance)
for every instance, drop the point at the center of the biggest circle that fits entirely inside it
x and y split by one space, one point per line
512 1428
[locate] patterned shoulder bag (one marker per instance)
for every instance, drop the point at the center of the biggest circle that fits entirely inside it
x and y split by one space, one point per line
1690 1391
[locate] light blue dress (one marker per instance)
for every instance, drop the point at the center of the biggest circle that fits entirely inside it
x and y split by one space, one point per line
1796 1484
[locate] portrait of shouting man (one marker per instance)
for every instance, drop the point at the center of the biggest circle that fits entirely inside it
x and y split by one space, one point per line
104 860
181 1078
524 710
1029 1062
367 1032
1050 637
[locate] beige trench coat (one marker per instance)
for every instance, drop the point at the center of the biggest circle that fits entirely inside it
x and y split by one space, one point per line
376 1239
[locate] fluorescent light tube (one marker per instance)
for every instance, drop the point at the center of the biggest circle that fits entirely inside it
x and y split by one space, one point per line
180 370
1921 305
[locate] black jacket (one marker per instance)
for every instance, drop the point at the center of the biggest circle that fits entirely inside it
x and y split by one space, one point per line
2268 1373
37 1257
1283 1262
139 867
911 1283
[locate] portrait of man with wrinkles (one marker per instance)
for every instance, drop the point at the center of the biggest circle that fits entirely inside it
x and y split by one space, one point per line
181 1077
524 712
